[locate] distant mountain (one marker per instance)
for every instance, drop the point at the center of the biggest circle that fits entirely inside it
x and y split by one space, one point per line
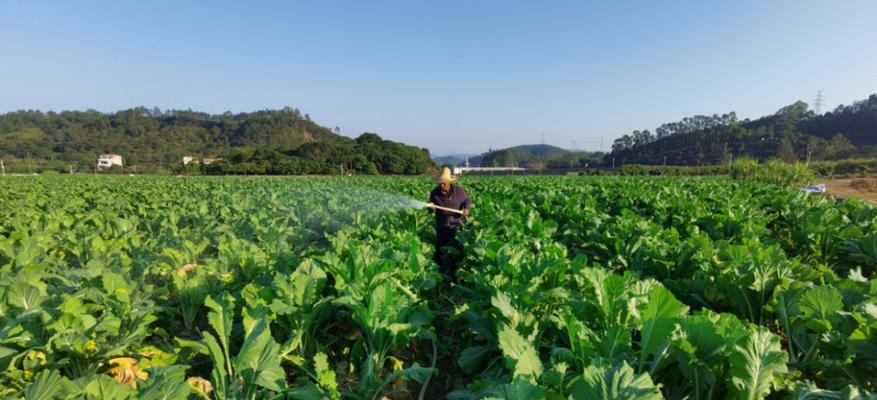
522 155
792 133
152 136
536 156
454 159
545 151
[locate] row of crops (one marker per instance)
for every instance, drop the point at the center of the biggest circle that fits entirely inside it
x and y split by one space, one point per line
571 287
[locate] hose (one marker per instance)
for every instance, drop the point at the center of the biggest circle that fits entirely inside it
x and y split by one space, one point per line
434 359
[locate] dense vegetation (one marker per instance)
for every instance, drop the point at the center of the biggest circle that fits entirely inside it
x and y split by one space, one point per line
535 156
538 156
793 133
151 136
151 140
571 287
772 171
367 155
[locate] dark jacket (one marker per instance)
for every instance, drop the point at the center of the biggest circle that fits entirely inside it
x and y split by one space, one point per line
456 199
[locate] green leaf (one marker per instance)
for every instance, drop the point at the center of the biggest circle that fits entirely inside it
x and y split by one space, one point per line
611 295
700 351
472 359
503 303
258 362
220 317
25 297
106 388
308 281
307 391
115 284
221 373
48 385
165 383
757 360
521 389
617 383
326 375
807 390
658 319
415 372
520 352
820 307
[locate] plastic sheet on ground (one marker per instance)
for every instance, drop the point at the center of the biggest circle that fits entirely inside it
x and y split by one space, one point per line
818 188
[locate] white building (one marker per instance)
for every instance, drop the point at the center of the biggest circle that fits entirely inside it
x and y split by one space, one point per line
206 161
105 161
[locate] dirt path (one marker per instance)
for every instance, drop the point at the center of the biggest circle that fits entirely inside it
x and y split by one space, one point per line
864 188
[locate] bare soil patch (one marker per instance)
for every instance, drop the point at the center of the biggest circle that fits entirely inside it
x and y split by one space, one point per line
863 187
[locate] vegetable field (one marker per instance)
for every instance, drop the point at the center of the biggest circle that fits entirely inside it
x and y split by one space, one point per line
570 288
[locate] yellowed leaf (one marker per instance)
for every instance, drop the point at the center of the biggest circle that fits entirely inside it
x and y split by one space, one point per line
201 384
182 271
125 371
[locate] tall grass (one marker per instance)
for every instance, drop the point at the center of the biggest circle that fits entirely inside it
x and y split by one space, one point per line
773 171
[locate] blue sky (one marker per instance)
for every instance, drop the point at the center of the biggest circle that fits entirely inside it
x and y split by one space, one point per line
452 76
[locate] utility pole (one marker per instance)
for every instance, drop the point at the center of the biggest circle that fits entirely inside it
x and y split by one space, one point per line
3 167
809 154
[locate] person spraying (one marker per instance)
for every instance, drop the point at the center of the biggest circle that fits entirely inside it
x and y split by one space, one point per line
451 205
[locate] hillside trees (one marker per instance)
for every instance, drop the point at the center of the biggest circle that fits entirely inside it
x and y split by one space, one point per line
369 154
793 132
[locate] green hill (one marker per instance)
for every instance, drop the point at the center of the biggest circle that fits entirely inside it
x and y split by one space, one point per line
523 154
277 142
545 151
792 133
151 136
537 156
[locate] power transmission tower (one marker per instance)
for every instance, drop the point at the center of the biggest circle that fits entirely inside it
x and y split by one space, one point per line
818 102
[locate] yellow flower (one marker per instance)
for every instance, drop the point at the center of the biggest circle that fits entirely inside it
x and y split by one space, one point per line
120 292
226 277
28 374
126 371
397 363
202 385
90 346
36 355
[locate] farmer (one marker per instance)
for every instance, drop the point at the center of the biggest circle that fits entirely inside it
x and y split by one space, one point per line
447 223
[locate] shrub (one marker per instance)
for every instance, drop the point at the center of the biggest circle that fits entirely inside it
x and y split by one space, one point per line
744 168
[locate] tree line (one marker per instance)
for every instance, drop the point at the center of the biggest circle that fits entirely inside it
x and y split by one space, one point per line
792 133
283 141
368 154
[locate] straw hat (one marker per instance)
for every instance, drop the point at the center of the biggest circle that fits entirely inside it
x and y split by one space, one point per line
444 177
